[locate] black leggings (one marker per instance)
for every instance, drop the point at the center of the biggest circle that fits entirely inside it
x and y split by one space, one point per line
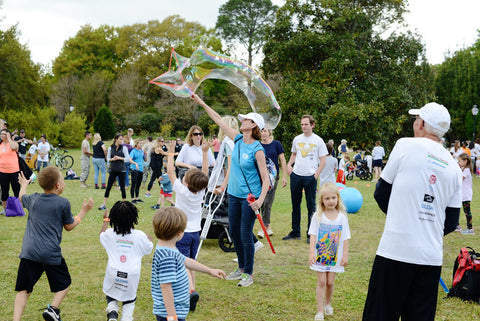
5 180
111 180
468 214
136 182
156 173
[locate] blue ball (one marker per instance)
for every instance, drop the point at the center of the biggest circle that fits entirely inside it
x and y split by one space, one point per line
340 186
352 198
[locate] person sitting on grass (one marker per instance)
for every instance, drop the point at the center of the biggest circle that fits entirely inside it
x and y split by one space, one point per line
170 284
48 215
124 262
189 198
166 192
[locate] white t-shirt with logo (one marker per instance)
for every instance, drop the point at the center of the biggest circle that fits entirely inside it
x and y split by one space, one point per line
425 180
191 204
309 149
124 262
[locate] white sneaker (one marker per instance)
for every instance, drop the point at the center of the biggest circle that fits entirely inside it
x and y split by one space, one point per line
236 275
319 316
258 246
269 232
246 280
468 232
260 234
328 310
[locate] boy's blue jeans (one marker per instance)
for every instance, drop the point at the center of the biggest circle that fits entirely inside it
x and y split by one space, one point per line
241 219
297 184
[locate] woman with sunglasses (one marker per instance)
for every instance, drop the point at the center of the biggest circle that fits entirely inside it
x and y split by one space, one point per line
245 179
190 155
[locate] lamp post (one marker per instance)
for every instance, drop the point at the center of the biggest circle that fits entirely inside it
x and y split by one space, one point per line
474 113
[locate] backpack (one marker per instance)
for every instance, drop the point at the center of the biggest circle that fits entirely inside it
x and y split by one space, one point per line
466 275
14 207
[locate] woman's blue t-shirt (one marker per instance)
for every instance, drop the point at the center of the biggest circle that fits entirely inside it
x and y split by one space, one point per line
137 156
243 159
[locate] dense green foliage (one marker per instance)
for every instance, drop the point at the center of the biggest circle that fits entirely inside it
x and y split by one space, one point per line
19 77
103 123
336 62
458 88
245 21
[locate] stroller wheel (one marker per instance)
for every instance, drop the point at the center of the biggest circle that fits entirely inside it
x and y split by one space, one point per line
224 243
350 176
368 176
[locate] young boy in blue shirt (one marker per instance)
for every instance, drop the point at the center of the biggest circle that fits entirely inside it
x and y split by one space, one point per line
170 285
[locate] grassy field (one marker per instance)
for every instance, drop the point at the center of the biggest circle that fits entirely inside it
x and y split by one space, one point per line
284 287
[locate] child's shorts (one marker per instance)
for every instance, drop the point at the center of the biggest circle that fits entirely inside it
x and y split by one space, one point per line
30 271
166 194
188 245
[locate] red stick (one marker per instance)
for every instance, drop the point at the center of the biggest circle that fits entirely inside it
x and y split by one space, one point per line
250 200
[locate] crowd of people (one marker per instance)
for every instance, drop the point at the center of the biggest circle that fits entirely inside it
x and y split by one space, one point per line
240 156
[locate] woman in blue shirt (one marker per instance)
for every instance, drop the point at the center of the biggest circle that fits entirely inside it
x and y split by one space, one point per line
244 179
137 157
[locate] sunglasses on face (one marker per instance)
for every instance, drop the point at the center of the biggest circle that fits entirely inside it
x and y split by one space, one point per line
197 134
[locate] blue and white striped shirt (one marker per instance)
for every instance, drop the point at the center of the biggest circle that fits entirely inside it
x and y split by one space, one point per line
168 266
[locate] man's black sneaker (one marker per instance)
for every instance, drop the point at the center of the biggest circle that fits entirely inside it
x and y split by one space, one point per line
140 201
291 236
134 201
51 314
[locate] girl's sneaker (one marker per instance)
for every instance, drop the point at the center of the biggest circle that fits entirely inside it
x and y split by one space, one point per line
328 310
458 229
319 316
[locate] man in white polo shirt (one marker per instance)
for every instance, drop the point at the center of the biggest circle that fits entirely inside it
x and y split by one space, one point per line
420 190
308 159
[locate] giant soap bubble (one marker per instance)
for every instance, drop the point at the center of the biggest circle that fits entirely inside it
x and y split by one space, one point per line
184 78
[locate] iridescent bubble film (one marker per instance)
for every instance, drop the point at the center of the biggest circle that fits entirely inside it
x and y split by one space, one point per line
188 73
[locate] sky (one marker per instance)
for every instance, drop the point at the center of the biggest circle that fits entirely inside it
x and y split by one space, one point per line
444 25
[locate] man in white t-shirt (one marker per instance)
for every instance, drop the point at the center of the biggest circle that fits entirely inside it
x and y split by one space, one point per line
43 148
420 190
308 159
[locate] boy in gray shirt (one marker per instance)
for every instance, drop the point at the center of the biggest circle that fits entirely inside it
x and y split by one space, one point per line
48 214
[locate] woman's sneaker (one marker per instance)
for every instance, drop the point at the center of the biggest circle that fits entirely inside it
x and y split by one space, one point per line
260 234
51 314
458 229
102 207
246 280
328 310
236 275
319 316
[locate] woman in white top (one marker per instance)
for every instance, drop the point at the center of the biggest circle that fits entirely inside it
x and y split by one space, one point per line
456 150
377 154
191 154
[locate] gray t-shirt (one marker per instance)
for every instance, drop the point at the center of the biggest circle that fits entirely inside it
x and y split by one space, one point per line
47 213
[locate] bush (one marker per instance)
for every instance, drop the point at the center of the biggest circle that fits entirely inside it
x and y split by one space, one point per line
104 124
72 130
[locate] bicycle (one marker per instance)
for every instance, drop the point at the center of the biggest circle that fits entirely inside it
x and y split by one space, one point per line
59 159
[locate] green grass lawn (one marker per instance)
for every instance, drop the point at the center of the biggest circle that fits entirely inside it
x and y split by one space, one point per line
284 287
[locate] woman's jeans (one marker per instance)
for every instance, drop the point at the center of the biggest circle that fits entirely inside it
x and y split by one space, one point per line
99 166
241 219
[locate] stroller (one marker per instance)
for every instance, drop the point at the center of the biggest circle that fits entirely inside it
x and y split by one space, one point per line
215 208
360 170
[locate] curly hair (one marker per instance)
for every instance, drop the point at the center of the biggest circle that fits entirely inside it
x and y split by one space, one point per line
123 217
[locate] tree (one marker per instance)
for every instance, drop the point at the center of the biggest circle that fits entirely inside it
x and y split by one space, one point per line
104 124
91 50
20 85
63 94
457 86
125 95
245 21
336 62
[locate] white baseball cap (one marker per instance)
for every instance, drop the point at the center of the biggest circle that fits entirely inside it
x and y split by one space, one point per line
435 115
256 118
